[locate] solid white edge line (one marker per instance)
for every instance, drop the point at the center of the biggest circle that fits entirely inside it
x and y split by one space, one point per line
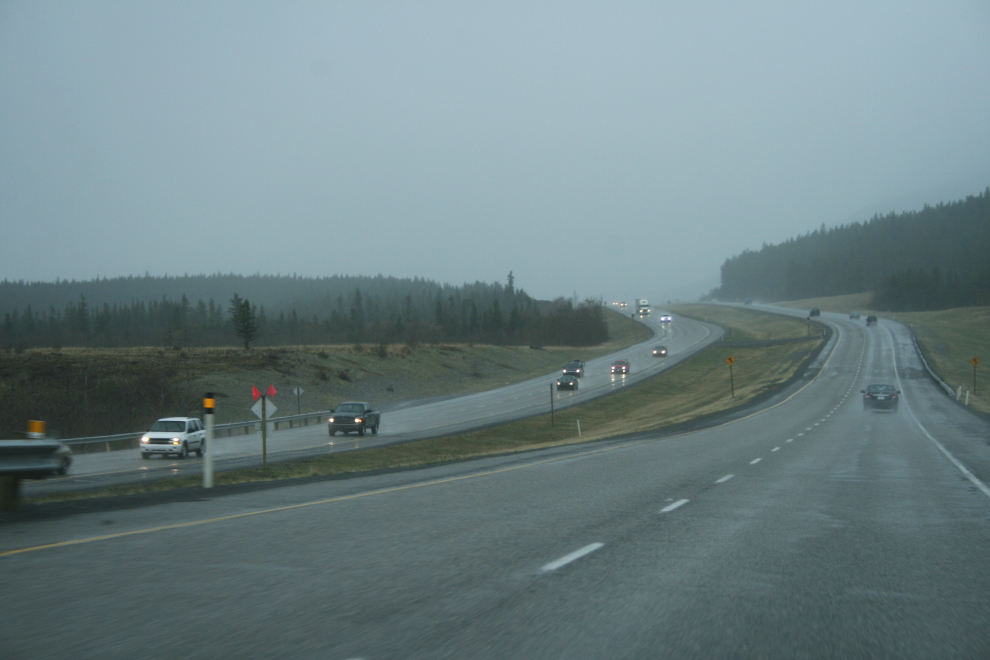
675 505
577 554
962 468
725 478
952 459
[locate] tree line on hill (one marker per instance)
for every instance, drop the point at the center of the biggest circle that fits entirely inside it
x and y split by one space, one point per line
936 258
281 310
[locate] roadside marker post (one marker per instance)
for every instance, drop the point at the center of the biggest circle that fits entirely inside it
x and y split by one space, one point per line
732 386
551 405
209 407
975 361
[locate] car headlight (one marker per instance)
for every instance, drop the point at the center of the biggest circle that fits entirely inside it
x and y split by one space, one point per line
357 420
175 441
331 420
145 440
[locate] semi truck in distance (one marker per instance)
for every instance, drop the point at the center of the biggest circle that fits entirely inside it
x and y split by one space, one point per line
642 307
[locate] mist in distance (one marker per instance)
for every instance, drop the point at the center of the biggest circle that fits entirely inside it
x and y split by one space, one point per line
598 149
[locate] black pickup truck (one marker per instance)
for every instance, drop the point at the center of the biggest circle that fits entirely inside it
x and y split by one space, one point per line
354 416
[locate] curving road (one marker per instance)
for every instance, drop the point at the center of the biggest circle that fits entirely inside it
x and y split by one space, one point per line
809 529
402 422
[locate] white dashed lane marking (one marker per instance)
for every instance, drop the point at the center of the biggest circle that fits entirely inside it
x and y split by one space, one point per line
755 461
675 505
577 554
725 478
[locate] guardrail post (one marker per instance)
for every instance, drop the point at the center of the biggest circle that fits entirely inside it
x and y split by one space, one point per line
10 487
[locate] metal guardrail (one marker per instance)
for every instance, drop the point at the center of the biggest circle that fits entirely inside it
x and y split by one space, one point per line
935 376
130 440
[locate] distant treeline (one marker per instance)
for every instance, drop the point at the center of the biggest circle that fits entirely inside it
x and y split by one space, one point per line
935 258
288 310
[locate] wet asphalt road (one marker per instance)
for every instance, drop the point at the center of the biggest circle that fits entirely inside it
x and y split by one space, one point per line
808 529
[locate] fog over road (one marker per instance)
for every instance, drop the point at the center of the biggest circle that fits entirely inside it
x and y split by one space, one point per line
810 528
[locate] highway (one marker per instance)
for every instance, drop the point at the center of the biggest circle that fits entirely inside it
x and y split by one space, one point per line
809 528
402 422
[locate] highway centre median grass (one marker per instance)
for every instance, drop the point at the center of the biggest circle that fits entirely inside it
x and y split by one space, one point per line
693 389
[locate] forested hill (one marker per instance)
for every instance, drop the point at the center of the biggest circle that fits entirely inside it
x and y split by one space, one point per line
200 311
935 258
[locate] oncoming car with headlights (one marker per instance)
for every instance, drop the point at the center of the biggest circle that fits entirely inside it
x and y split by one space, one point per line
660 351
567 383
174 436
620 367
356 416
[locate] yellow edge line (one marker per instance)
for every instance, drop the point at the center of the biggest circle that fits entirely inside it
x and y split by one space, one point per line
342 498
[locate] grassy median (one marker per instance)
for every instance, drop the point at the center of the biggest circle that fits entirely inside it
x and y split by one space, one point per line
693 389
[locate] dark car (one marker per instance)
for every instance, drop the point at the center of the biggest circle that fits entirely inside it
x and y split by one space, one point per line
574 368
880 396
854 315
815 312
567 383
620 367
354 416
871 320
660 351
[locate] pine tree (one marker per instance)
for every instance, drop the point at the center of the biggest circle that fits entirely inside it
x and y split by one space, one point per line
245 323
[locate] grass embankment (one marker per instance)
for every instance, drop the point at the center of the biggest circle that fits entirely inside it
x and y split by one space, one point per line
695 388
83 392
949 338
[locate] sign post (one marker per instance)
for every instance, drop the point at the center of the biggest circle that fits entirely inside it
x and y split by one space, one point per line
263 407
731 360
975 361
209 406
298 392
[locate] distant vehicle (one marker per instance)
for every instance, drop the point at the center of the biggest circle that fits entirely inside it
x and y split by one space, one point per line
666 318
574 368
174 436
620 367
815 312
871 320
748 301
642 306
356 416
567 383
660 351
623 306
854 315
880 396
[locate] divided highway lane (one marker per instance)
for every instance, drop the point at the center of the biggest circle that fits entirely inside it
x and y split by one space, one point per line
683 338
812 529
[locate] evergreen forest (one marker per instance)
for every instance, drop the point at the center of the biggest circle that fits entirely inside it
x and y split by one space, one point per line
262 310
935 258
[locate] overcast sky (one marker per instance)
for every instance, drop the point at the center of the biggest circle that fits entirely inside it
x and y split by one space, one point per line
604 149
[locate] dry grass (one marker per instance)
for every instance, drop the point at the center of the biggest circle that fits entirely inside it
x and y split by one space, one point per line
745 324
